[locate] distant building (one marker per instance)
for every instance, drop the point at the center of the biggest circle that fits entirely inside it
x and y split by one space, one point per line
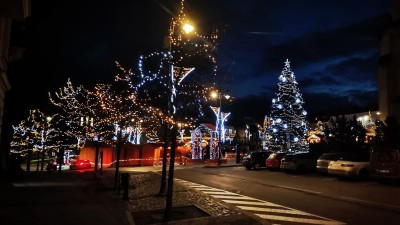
367 119
389 67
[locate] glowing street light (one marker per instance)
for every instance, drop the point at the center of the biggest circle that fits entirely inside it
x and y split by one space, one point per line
188 28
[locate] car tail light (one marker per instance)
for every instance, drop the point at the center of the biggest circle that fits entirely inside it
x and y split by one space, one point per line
55 163
81 163
346 165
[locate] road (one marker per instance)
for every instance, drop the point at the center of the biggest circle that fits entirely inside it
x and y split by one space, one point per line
282 198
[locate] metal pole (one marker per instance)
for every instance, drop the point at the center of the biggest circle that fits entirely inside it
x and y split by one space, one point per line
96 159
163 187
116 178
173 133
101 163
42 162
37 161
171 175
219 129
60 159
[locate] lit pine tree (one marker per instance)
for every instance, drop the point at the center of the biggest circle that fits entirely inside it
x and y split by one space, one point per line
288 128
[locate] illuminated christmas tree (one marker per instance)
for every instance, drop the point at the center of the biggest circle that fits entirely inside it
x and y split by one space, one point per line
288 128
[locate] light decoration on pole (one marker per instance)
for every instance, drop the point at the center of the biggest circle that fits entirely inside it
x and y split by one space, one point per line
171 74
171 85
221 118
288 126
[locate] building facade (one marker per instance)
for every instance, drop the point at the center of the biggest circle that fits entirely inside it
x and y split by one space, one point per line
10 11
389 67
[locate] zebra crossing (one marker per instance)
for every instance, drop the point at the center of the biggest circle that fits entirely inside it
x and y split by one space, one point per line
273 213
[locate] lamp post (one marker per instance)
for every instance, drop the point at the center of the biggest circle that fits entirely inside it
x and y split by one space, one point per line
96 159
44 139
221 117
187 28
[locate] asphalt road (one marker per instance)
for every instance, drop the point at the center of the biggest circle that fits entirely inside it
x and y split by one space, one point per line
299 199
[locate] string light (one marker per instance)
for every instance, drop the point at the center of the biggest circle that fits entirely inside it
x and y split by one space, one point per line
289 128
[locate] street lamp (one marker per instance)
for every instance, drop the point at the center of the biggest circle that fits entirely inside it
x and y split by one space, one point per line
188 28
173 80
221 117
44 139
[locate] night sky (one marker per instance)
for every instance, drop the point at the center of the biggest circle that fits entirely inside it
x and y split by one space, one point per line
332 45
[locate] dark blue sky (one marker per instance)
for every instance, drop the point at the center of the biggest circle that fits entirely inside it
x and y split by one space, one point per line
332 45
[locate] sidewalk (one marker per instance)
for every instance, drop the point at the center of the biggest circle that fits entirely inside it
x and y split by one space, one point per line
66 198
147 207
76 197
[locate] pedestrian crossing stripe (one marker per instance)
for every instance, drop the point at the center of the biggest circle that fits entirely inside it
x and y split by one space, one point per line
265 210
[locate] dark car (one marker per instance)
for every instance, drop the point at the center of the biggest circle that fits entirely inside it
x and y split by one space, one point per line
273 162
385 164
80 164
51 165
299 162
255 160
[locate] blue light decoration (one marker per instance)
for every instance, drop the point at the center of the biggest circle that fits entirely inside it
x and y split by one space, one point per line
289 128
171 81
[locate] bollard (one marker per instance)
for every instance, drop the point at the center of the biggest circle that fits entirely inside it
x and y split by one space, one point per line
125 184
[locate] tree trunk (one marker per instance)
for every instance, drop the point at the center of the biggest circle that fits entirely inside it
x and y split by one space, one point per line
96 159
171 174
163 187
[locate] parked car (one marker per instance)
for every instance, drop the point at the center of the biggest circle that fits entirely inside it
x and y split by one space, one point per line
385 164
350 165
273 162
80 164
51 166
324 160
299 162
255 160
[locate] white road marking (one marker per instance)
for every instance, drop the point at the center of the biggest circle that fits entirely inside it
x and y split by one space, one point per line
251 203
265 210
219 192
286 211
299 189
233 197
299 220
395 207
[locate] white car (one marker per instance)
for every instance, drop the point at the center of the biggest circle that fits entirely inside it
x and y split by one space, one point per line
350 165
324 160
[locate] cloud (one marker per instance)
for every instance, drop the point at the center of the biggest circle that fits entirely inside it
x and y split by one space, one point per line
329 104
356 68
316 47
344 77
